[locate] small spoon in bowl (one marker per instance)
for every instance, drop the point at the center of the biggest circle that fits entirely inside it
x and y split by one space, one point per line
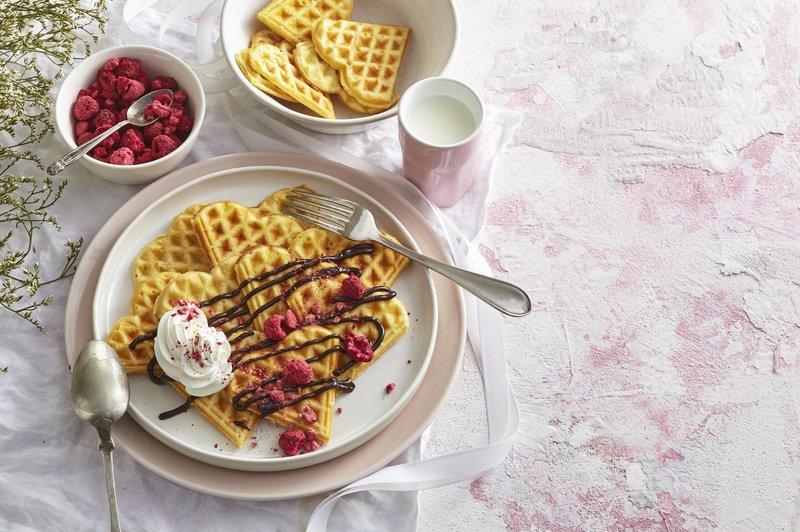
100 395
135 116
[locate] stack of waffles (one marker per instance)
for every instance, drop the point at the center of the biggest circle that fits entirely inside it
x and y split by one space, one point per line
309 51
245 267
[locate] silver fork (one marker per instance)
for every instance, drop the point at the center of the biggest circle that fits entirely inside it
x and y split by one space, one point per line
353 221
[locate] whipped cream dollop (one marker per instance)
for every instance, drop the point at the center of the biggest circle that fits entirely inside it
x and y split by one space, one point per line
191 352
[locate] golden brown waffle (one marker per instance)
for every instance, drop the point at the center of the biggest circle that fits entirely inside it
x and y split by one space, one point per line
367 56
261 365
379 268
254 263
293 19
319 292
267 36
227 228
218 408
200 287
276 66
256 79
177 250
140 321
357 106
273 204
316 71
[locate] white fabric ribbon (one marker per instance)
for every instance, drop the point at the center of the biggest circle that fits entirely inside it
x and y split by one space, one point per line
484 325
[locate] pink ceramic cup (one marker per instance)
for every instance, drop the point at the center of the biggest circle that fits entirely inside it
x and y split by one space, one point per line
440 125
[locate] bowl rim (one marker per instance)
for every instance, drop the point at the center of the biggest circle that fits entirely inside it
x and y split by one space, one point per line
110 52
301 118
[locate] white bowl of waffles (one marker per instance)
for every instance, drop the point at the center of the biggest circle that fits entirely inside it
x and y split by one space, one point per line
336 66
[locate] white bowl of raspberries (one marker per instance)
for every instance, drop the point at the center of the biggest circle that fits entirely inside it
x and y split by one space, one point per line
96 95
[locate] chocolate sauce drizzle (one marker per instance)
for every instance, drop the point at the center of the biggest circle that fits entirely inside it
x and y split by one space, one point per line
291 269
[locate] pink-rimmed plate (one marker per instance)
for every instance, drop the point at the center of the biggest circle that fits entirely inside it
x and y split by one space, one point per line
367 456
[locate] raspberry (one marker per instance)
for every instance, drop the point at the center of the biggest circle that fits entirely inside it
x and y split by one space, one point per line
156 109
128 67
358 347
110 65
390 387
352 287
290 321
81 128
163 82
162 145
105 117
272 328
122 114
277 396
112 140
85 108
143 79
163 98
83 138
94 90
309 415
152 131
145 157
133 139
297 372
291 441
180 97
100 151
129 89
109 103
108 85
123 156
312 441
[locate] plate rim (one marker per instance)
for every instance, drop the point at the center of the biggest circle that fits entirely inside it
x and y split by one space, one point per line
265 486
267 463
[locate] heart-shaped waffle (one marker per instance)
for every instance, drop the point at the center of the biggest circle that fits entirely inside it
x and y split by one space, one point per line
263 389
276 66
141 321
227 228
177 250
293 19
378 268
366 55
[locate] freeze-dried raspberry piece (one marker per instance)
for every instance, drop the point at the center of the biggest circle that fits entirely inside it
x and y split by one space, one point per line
94 90
309 415
85 108
358 347
156 109
180 96
83 138
290 321
297 372
123 156
352 287
162 145
105 117
291 441
134 140
164 98
112 140
108 85
145 157
110 65
143 79
100 151
273 329
129 89
163 82
152 131
184 127
122 114
128 67
109 103
81 127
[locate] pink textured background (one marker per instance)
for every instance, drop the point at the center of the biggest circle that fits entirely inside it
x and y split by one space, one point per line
650 204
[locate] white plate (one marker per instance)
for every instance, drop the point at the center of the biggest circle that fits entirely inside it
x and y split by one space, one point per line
365 411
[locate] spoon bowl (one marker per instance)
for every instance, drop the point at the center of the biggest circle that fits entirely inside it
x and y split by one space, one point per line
100 395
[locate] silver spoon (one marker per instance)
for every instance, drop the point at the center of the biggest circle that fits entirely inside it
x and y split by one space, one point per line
100 396
135 116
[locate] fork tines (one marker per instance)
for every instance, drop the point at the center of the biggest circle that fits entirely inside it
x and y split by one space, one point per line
325 211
